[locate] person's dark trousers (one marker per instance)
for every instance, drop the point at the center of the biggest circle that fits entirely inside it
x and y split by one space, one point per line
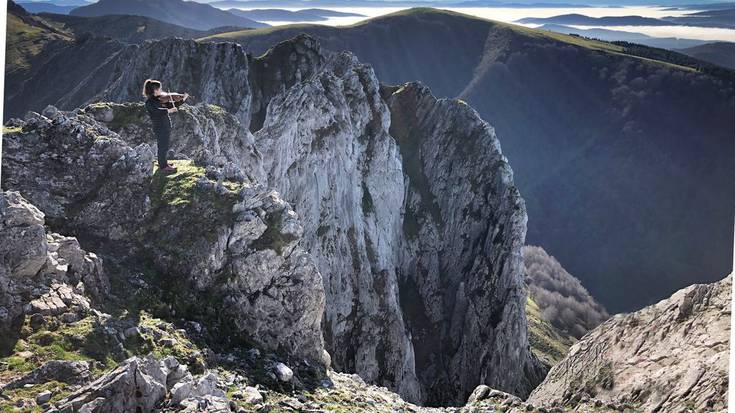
162 137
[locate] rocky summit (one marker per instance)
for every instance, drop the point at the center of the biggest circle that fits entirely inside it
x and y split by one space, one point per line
670 357
310 202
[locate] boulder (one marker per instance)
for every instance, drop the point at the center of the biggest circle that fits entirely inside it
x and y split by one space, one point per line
189 387
138 384
65 371
241 246
251 395
42 274
283 372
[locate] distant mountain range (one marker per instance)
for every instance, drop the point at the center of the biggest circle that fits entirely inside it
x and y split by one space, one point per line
619 35
673 4
723 18
127 28
582 20
707 6
719 53
226 4
711 18
306 15
76 3
37 29
183 13
625 176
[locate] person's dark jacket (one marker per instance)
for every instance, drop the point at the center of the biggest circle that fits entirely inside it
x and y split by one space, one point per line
158 113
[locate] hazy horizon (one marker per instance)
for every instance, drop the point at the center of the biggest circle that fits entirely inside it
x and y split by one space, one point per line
513 14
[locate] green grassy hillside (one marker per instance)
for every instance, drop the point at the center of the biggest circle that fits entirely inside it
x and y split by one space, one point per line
719 53
26 35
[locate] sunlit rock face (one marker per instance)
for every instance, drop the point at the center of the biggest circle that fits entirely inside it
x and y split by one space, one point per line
417 227
670 356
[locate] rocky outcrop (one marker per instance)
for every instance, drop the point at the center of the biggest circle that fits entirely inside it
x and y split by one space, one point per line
419 262
41 274
216 73
150 382
671 356
325 144
232 245
462 231
140 384
65 371
421 266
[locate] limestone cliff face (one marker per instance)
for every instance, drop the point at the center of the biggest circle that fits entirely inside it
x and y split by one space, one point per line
217 73
421 264
406 206
325 144
462 232
671 356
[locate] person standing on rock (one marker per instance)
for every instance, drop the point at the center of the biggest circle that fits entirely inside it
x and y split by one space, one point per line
159 105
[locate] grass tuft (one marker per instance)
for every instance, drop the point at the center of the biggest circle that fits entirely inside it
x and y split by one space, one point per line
176 189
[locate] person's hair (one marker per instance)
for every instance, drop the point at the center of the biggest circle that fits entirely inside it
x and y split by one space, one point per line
150 86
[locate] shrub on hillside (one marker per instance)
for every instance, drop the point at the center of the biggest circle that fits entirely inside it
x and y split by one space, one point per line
563 301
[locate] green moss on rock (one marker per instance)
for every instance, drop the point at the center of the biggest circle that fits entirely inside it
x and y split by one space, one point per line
176 189
127 114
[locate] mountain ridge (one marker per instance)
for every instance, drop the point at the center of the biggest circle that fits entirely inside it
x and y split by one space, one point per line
193 15
722 54
287 15
126 28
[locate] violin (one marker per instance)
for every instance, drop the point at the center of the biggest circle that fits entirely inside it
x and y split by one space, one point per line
173 100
